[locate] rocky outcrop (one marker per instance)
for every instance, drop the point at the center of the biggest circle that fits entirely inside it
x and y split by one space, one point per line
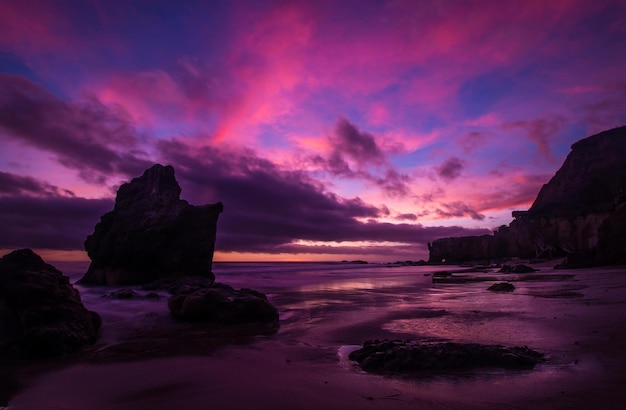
41 313
579 213
502 287
151 233
408 357
222 304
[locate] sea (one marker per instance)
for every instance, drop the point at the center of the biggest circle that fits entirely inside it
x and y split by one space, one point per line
328 310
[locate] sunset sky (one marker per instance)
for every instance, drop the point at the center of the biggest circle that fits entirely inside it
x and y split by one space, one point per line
329 129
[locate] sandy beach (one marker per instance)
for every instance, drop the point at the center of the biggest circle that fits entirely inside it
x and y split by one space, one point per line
145 360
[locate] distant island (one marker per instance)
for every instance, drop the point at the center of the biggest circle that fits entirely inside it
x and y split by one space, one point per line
580 214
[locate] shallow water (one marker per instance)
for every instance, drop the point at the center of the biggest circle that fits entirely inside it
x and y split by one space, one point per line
327 310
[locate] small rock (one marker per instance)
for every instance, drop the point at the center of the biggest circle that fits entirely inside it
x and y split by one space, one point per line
122 294
517 269
502 287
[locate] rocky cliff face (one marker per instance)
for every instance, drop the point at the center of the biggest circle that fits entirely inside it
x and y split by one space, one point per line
151 233
579 213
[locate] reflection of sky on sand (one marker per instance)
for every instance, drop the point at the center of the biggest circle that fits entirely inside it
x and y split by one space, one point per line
327 310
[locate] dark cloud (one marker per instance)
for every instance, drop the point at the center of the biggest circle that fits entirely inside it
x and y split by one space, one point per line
451 168
540 131
52 222
12 184
266 209
458 209
356 155
94 139
349 141
406 217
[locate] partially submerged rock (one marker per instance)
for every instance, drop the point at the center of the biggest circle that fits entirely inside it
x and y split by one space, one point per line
222 304
409 357
521 268
502 287
151 233
41 313
122 294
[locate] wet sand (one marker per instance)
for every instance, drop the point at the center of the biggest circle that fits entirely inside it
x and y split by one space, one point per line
577 321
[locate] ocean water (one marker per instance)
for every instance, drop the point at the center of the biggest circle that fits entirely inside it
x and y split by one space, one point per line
329 309
376 300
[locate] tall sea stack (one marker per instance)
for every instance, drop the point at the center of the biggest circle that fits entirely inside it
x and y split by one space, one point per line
151 234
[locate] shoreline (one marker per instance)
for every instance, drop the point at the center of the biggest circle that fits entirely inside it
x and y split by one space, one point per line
303 364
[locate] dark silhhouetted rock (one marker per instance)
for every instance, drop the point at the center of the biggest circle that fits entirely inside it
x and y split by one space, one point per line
41 313
221 303
502 287
409 357
152 234
517 269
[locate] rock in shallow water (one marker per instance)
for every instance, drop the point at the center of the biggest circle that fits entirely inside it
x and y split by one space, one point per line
502 287
409 357
41 313
151 233
517 269
223 304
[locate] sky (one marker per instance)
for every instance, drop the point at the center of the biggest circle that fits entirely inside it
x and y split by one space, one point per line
329 130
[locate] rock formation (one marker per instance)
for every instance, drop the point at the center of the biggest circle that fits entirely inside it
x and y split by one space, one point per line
502 287
579 213
408 357
151 233
41 313
197 299
222 304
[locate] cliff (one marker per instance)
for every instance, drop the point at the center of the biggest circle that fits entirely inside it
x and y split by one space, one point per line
579 213
151 234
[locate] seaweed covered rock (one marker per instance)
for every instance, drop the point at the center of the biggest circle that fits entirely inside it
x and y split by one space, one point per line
407 357
41 313
222 304
151 234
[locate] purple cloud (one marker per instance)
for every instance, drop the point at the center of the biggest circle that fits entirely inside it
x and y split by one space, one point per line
266 209
472 141
540 131
94 139
12 184
458 209
369 162
451 168
361 147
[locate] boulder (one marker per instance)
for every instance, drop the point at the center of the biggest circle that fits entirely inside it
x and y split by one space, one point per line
521 268
41 313
122 294
221 303
501 287
151 234
409 357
